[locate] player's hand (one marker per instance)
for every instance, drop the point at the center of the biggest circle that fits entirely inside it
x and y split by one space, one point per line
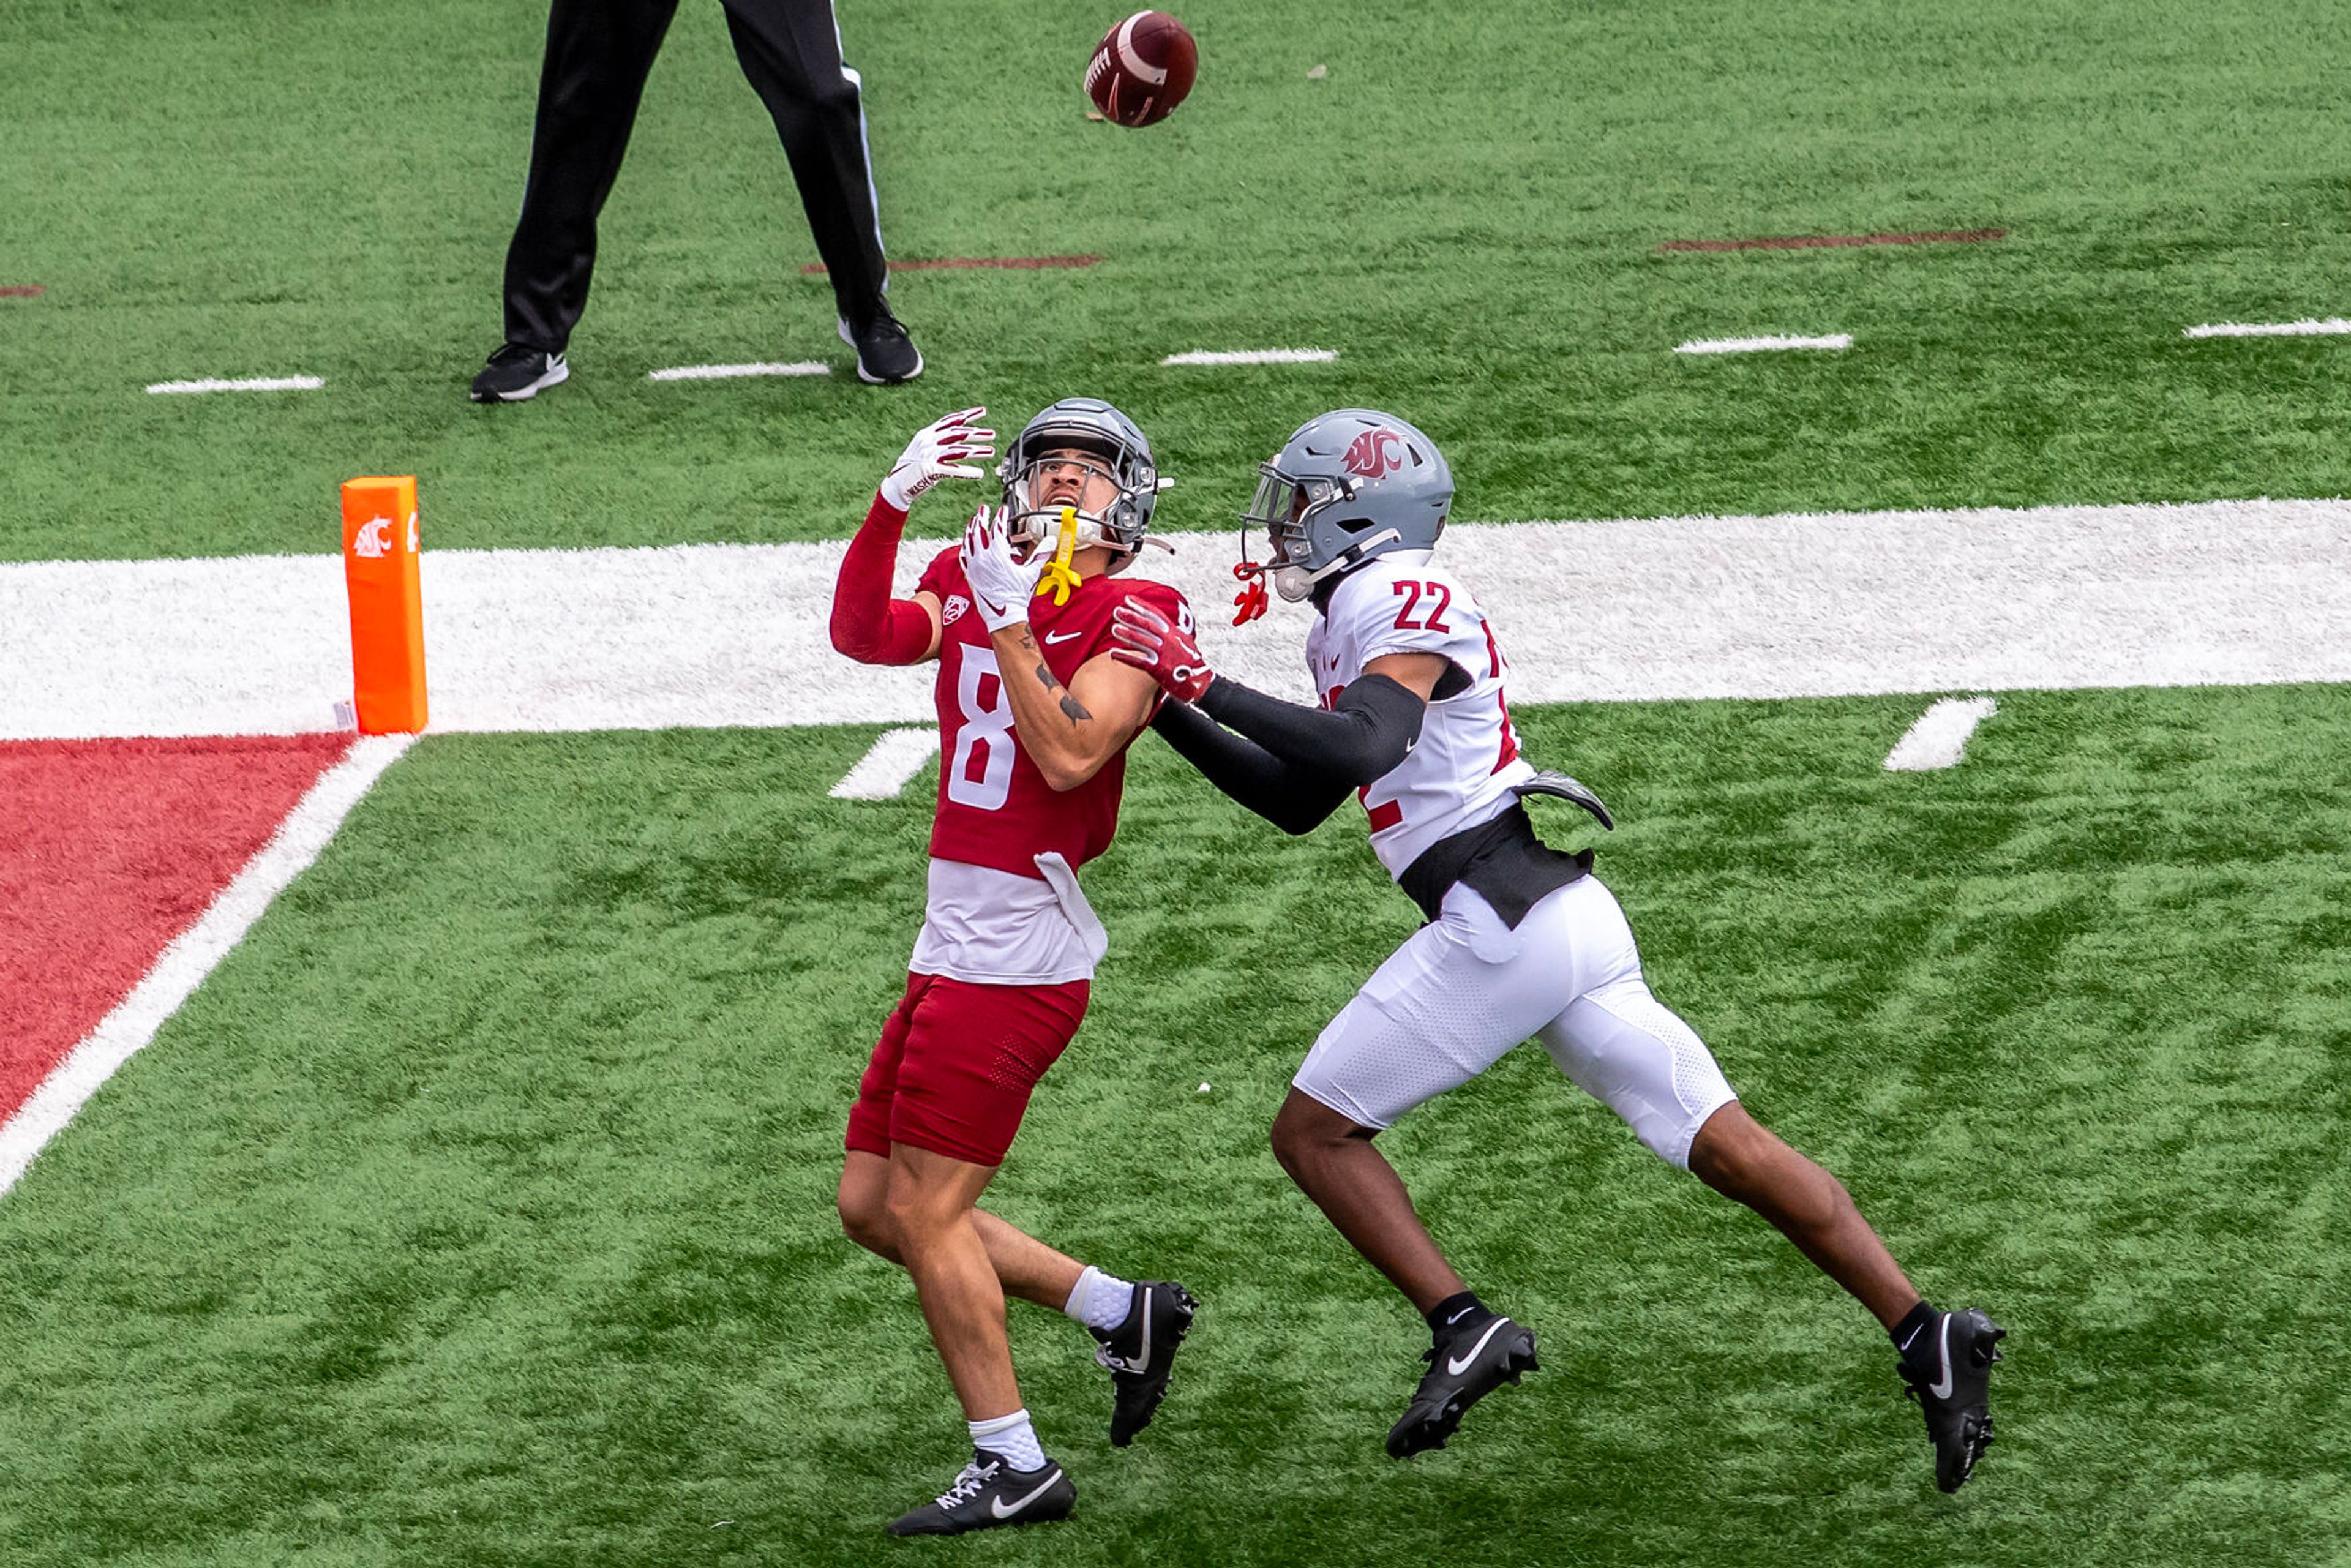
938 450
1149 641
1001 586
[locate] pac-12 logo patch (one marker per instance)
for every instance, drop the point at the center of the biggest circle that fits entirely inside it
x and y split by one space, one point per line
952 612
1376 453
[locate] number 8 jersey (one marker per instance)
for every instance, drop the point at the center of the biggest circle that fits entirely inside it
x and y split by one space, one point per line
1460 773
994 808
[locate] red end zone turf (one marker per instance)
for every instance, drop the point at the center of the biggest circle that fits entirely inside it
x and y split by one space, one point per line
110 848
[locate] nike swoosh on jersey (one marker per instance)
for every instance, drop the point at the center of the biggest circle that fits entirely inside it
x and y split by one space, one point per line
1943 1390
1061 636
1456 1367
997 1506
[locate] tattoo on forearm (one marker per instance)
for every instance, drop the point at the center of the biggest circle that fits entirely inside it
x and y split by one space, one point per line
1071 706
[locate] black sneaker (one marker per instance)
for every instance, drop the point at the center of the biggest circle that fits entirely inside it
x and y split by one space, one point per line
988 1493
1463 1368
885 355
516 374
1949 1374
1139 1353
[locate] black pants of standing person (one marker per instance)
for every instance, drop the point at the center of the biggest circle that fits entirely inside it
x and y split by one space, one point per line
598 53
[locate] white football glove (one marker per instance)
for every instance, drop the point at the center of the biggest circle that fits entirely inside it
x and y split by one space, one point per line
1001 586
938 451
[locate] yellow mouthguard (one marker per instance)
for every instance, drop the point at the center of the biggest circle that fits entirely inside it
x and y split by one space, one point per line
1058 578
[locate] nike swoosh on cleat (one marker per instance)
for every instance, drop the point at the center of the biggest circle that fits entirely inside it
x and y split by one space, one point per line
1457 1317
1456 1367
1943 1390
1142 1362
996 1504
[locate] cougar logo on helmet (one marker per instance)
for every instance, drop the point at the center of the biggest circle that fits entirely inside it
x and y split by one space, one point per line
1374 452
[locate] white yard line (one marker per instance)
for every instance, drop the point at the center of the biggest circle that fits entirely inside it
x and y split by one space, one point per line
895 756
1939 738
1762 345
256 384
194 954
1253 357
2220 592
2334 326
728 372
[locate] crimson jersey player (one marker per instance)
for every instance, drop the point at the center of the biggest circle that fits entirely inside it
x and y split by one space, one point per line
1035 717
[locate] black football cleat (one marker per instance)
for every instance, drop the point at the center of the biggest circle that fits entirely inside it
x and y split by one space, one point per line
1463 1368
988 1493
1951 1378
517 374
1139 1353
885 355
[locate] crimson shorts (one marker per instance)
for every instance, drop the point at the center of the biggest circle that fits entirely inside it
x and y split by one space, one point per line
955 1063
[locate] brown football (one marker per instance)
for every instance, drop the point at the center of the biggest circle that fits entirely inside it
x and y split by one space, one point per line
1142 69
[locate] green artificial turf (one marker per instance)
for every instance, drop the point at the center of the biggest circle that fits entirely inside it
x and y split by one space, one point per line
478 1209
1467 207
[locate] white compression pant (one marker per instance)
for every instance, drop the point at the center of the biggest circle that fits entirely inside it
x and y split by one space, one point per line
1463 991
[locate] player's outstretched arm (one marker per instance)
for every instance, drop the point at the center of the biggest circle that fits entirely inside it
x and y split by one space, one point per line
1363 736
1295 799
867 623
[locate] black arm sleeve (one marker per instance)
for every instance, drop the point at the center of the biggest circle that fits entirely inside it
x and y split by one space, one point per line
1293 798
1364 735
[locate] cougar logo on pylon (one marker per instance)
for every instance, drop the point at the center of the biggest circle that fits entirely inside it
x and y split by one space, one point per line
413 536
1369 453
373 541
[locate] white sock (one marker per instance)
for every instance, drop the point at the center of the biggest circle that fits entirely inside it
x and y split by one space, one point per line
1012 1436
1099 1301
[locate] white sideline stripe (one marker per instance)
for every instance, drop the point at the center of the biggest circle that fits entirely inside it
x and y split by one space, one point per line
194 953
256 384
895 756
725 372
1939 738
2331 327
1762 345
1253 357
2215 594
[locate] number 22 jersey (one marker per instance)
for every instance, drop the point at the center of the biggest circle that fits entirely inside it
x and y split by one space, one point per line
1459 774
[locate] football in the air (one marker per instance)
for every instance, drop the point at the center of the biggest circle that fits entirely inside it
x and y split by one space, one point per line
1142 69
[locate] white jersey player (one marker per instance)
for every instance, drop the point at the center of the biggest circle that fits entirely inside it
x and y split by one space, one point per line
1521 939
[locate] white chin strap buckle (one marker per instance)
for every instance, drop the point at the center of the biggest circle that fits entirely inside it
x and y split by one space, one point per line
1295 582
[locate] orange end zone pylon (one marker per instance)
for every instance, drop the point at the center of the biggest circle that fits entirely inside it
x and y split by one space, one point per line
380 560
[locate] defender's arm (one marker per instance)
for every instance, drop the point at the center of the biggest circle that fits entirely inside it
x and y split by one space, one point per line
1295 799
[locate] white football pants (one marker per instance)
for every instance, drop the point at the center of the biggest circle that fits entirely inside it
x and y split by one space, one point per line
1464 989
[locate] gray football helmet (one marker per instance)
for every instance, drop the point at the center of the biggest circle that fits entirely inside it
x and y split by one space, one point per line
1347 485
1115 448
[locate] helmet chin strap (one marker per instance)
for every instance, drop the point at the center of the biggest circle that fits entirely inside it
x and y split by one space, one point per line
1295 582
1086 529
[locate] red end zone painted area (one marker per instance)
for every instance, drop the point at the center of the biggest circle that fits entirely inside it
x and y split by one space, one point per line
110 848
